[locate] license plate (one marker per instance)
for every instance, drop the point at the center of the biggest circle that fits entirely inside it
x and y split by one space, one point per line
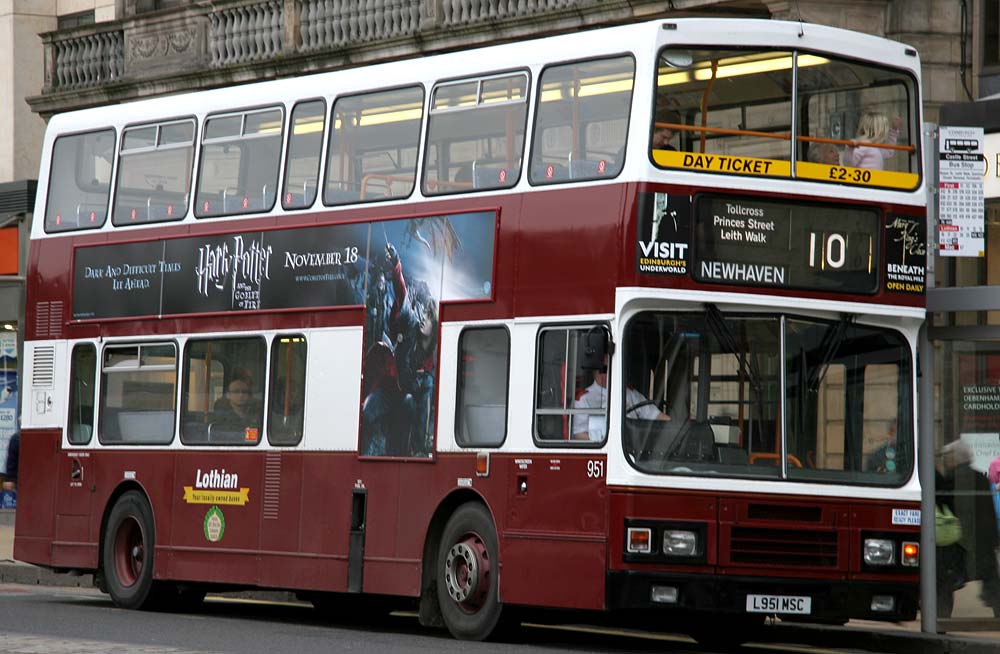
779 604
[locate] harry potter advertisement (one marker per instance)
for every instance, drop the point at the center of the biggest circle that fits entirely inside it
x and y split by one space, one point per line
399 270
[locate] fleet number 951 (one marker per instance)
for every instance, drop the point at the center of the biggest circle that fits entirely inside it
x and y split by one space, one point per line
595 469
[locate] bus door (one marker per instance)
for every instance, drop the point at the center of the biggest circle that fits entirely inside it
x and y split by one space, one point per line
555 533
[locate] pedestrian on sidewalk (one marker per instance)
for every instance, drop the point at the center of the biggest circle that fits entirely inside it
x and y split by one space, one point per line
13 454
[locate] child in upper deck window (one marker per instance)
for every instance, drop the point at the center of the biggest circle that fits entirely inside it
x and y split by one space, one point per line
873 127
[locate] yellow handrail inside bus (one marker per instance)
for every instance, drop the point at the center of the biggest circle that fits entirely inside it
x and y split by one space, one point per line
784 136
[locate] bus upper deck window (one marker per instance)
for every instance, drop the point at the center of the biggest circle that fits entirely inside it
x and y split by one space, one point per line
723 105
154 173
305 145
857 124
582 118
372 154
475 134
240 157
79 181
730 111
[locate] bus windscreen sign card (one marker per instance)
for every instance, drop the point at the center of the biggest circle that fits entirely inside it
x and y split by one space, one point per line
960 192
664 234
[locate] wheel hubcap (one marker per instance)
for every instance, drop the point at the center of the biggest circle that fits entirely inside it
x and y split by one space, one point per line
467 572
129 552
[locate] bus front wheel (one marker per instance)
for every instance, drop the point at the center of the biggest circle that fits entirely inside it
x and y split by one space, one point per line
127 554
468 574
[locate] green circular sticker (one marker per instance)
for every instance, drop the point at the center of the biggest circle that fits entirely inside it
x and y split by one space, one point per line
215 525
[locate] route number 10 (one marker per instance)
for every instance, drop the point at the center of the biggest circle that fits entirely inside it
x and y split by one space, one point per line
832 251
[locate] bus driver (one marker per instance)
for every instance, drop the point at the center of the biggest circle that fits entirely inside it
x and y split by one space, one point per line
594 427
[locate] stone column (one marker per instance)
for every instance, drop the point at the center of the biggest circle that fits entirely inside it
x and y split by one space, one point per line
21 75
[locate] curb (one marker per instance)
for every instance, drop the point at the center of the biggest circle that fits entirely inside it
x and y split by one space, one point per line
32 575
890 641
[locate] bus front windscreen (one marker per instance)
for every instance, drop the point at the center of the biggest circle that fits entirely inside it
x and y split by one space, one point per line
844 415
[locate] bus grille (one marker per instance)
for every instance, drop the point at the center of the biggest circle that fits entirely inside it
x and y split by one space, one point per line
786 547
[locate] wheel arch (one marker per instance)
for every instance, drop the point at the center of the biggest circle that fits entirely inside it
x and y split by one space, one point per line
430 612
122 488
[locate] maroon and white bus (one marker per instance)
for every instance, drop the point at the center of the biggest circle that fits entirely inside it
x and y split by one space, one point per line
621 321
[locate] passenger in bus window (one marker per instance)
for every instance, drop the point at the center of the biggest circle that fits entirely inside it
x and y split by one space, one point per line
594 427
873 128
237 408
663 135
824 153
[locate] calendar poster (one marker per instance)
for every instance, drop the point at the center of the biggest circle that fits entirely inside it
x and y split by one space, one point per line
961 223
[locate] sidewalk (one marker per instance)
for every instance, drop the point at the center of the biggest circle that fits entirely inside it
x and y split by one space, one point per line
904 638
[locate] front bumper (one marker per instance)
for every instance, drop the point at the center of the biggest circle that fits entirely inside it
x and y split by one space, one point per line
831 600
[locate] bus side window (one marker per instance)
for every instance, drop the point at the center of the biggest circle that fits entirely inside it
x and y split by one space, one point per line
138 394
562 412
154 173
475 134
582 120
287 393
483 378
79 181
240 158
222 398
373 148
305 145
82 376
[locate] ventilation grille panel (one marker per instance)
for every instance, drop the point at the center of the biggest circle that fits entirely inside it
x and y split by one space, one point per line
48 319
272 484
43 366
790 547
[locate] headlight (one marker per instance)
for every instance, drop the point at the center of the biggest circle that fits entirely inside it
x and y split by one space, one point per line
677 542
879 551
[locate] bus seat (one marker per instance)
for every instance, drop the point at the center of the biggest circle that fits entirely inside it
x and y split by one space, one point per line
266 198
194 429
484 419
483 177
540 172
340 196
145 426
584 168
83 211
232 200
80 432
732 456
698 444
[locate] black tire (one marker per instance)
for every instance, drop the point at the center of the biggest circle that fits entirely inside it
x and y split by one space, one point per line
127 552
467 574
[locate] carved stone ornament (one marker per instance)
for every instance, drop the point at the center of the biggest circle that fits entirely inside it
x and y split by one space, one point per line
177 46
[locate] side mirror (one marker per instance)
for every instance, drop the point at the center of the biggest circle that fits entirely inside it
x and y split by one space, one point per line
597 347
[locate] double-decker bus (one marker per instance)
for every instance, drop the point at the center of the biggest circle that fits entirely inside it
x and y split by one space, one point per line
621 321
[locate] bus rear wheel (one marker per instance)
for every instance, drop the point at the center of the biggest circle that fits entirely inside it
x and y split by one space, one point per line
127 552
468 574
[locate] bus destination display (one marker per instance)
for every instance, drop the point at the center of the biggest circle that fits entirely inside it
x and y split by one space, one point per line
786 245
